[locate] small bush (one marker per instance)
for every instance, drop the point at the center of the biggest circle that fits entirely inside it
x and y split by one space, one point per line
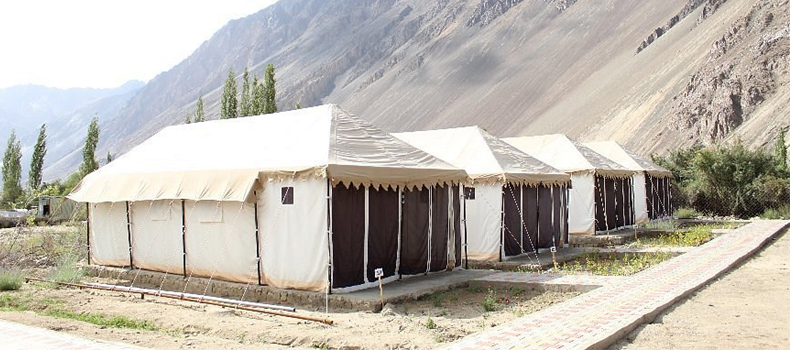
11 280
783 212
66 270
489 301
102 320
686 213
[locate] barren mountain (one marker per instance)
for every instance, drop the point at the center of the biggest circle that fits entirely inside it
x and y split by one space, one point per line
651 75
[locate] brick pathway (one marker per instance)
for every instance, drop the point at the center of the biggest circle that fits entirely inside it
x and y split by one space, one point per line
15 336
598 318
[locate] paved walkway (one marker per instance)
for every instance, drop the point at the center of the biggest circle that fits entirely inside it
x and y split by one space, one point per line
15 336
598 318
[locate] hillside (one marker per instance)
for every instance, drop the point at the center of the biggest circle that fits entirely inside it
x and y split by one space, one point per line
649 75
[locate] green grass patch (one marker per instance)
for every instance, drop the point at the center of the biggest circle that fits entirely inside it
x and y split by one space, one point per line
661 225
612 264
102 320
686 213
781 213
14 302
66 270
11 279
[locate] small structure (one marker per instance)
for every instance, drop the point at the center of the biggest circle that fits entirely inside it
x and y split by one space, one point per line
600 196
58 208
312 199
515 203
652 183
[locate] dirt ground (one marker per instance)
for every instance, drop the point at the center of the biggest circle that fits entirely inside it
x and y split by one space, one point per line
747 308
422 324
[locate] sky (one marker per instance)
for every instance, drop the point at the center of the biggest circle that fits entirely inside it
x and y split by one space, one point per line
103 44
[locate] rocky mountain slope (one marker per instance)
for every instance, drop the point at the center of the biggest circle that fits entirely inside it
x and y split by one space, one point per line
651 75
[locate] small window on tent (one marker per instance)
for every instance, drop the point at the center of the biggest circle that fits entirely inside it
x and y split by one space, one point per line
469 193
287 195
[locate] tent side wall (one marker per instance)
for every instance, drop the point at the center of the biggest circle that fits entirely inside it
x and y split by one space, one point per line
219 240
293 237
109 238
156 235
581 205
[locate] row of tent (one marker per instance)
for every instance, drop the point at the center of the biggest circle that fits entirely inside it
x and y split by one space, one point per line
317 199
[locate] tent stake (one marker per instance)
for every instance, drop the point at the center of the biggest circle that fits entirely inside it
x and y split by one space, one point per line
187 297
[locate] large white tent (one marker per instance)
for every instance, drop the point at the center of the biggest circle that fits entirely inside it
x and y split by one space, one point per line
600 196
503 214
651 182
311 199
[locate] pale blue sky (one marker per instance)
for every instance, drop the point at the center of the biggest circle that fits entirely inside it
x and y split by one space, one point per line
100 43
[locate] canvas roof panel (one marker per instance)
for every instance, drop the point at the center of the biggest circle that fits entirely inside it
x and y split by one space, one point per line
627 159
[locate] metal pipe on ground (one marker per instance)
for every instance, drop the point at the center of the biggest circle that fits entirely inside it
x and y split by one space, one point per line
236 304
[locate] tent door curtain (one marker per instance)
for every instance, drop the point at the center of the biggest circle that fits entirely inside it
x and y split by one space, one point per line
455 221
545 217
610 203
383 231
415 235
348 236
530 217
511 228
440 227
659 203
600 204
619 203
556 223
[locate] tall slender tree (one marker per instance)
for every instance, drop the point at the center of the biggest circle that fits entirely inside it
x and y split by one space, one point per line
780 152
12 170
89 163
229 98
37 160
258 94
270 105
199 110
188 119
246 95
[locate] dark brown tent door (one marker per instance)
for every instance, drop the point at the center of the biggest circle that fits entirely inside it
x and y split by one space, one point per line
556 192
511 235
545 216
619 203
565 211
348 236
530 215
651 211
440 224
383 206
414 238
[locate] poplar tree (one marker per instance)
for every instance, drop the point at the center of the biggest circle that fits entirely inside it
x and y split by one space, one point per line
12 170
780 152
257 96
199 110
270 105
89 163
246 95
37 160
229 100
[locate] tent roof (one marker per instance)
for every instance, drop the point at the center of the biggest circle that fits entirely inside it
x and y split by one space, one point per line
222 159
567 155
627 159
484 157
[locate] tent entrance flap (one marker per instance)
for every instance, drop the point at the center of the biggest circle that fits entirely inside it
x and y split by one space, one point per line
440 228
382 231
415 235
348 236
511 231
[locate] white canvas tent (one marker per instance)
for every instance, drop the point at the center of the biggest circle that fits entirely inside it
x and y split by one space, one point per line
266 200
498 224
600 198
651 182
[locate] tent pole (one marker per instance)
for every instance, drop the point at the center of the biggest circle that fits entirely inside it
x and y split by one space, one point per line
129 234
184 237
466 236
88 229
257 238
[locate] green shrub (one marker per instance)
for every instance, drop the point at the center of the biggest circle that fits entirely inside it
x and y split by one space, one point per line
11 279
782 212
66 270
686 213
489 301
430 324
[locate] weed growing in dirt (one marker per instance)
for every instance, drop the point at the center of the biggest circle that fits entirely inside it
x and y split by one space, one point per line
102 320
489 301
661 225
14 302
11 279
430 324
613 264
691 237
782 212
686 213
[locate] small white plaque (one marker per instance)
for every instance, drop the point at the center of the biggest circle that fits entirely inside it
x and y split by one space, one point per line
379 272
553 249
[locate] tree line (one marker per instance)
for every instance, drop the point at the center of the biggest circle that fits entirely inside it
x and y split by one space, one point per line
257 97
14 195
